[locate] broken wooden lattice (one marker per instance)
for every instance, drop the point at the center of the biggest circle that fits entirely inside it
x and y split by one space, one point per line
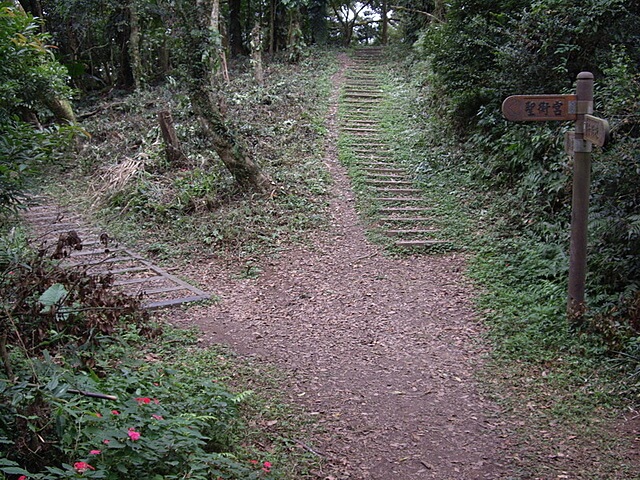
101 255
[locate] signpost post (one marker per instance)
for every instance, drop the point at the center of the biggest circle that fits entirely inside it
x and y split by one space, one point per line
588 130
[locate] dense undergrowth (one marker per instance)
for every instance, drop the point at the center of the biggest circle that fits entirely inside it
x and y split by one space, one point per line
91 387
122 173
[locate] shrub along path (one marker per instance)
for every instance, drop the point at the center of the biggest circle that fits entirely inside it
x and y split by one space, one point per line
382 351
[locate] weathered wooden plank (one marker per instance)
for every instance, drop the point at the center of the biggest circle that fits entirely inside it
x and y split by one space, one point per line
174 301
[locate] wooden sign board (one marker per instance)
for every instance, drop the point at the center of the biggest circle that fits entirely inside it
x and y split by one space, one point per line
539 108
596 130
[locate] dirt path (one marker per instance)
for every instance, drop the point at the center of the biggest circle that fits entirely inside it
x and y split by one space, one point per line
382 350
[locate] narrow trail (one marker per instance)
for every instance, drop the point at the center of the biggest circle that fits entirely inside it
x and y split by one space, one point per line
382 351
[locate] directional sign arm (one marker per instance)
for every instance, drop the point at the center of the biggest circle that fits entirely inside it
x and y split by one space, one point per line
540 108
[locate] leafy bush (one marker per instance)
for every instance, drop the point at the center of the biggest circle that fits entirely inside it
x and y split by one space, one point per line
44 306
184 427
81 398
29 78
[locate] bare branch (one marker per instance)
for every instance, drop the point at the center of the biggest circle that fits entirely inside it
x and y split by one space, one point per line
398 7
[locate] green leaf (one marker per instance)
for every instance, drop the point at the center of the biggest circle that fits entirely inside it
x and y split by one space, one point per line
14 470
52 295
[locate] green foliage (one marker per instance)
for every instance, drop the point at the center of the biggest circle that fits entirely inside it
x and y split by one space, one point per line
159 422
480 56
28 71
28 76
83 396
44 306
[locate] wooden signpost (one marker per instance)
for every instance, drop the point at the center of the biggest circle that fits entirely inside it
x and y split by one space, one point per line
589 130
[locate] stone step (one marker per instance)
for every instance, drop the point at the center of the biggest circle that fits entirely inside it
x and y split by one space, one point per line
415 231
373 154
397 190
367 159
389 183
360 101
406 219
370 145
387 168
419 243
361 120
362 79
398 199
349 90
363 83
404 209
360 94
381 176
362 130
379 164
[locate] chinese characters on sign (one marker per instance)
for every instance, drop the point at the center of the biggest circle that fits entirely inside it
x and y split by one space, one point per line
596 130
540 107
543 108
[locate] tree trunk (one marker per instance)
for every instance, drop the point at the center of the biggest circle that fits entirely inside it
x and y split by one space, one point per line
163 58
34 7
207 101
256 54
126 77
227 145
385 23
295 38
272 28
171 143
215 27
60 107
134 45
318 20
4 354
235 28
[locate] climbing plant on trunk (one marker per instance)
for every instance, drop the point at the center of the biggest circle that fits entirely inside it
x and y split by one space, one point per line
200 44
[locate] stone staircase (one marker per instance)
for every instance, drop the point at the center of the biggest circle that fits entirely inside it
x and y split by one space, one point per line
402 213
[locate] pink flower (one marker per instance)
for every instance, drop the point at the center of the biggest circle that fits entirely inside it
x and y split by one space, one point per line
98 414
115 412
82 467
157 417
255 462
95 452
106 441
266 466
133 435
142 400
21 477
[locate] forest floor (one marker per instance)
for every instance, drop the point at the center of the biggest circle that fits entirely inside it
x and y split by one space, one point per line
387 354
383 351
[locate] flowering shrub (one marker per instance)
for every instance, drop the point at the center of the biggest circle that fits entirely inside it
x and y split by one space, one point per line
181 427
